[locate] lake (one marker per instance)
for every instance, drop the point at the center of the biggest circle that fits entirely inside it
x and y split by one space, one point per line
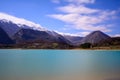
17 64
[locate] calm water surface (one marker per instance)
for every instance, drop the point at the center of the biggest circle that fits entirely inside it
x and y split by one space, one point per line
19 64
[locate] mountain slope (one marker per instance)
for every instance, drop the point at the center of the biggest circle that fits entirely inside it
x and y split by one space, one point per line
95 38
4 38
27 35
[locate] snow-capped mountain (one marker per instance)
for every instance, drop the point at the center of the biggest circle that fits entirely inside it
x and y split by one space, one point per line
21 30
13 24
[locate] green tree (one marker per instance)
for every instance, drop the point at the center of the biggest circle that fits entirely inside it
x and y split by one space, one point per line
86 45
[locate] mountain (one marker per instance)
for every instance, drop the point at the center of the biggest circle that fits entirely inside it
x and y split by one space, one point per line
95 37
27 35
4 38
73 39
23 31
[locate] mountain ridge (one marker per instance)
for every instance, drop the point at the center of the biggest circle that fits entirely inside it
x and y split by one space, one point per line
26 33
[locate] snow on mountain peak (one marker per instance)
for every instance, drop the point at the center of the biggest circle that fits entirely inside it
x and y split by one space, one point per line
20 22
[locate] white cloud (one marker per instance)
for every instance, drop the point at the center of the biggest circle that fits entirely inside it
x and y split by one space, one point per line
81 9
93 28
65 34
83 34
68 18
77 16
85 22
81 17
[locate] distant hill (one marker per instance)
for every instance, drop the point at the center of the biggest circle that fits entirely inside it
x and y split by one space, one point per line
95 38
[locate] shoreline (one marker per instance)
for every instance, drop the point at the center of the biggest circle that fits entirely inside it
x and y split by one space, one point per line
56 49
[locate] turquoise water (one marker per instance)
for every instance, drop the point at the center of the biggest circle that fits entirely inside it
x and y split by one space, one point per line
91 64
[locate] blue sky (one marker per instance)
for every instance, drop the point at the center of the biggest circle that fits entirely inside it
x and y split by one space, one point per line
77 17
